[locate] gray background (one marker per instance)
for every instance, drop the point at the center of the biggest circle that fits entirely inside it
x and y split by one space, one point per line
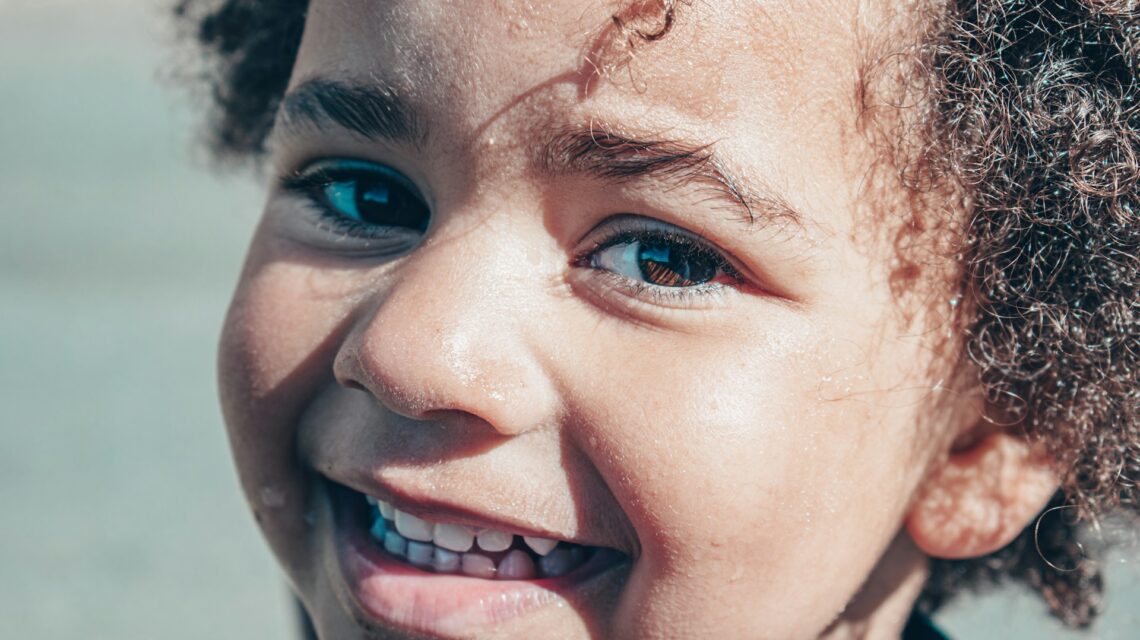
120 516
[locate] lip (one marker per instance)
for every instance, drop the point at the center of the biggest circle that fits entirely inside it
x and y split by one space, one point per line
397 595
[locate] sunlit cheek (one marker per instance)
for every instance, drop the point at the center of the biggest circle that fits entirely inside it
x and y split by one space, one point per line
727 448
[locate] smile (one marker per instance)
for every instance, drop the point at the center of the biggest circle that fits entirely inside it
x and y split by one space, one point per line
477 552
425 574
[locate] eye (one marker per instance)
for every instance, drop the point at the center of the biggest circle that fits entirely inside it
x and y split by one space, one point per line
659 262
655 257
363 198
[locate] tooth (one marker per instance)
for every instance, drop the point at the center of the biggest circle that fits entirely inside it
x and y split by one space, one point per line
371 500
558 563
477 565
412 527
386 510
541 546
379 528
419 553
494 540
395 544
516 565
445 561
453 537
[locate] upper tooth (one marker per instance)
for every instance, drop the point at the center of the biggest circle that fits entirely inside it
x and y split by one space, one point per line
494 540
386 510
453 537
412 527
541 546
370 499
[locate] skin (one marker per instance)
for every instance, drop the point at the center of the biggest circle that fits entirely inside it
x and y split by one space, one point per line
776 459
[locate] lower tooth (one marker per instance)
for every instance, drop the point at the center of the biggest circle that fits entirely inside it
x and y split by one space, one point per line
395 544
445 561
420 553
478 565
516 565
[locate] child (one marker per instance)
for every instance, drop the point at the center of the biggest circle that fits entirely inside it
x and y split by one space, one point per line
643 319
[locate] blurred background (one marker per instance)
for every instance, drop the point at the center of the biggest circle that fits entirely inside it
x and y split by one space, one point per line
120 515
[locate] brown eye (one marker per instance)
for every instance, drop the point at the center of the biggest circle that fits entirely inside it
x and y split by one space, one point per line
661 262
671 266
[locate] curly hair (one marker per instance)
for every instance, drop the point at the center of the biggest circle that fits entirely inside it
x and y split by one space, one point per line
1031 111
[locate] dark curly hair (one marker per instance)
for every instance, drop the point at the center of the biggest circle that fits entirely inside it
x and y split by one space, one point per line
1031 110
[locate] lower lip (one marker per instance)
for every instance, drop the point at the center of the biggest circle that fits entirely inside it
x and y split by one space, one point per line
401 596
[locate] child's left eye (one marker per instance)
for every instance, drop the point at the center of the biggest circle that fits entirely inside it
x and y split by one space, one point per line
662 261
659 262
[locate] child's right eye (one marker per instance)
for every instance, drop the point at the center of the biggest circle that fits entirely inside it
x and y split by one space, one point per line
362 199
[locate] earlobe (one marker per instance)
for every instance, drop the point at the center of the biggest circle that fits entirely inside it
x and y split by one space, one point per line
981 497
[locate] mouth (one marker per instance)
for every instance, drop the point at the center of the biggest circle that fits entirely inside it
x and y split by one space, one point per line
430 573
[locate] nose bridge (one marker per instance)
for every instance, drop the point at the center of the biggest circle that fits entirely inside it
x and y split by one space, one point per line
449 334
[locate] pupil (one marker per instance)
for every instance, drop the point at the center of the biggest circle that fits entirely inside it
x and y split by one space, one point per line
666 266
390 205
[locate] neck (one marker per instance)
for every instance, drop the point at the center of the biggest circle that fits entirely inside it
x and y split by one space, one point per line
880 609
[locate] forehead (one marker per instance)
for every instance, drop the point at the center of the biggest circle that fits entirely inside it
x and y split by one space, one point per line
481 59
772 84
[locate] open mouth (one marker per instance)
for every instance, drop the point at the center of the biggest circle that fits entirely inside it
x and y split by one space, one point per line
447 578
472 551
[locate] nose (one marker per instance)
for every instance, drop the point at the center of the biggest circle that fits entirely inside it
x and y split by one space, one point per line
455 329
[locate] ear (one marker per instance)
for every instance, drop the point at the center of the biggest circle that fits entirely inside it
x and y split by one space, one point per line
981 497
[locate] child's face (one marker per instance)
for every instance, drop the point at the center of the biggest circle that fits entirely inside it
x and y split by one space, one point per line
745 422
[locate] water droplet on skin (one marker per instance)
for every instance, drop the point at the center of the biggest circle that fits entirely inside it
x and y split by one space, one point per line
272 497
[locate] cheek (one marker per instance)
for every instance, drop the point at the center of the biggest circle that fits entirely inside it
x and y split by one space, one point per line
741 477
276 349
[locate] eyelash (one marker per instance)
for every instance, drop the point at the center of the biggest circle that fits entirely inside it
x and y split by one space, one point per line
635 230
309 184
312 183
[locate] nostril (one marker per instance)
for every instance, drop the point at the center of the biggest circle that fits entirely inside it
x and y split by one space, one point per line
347 371
350 383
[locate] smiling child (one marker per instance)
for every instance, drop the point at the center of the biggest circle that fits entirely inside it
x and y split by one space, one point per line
717 319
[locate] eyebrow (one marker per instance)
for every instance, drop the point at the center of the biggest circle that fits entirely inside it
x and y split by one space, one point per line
369 111
615 157
377 111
